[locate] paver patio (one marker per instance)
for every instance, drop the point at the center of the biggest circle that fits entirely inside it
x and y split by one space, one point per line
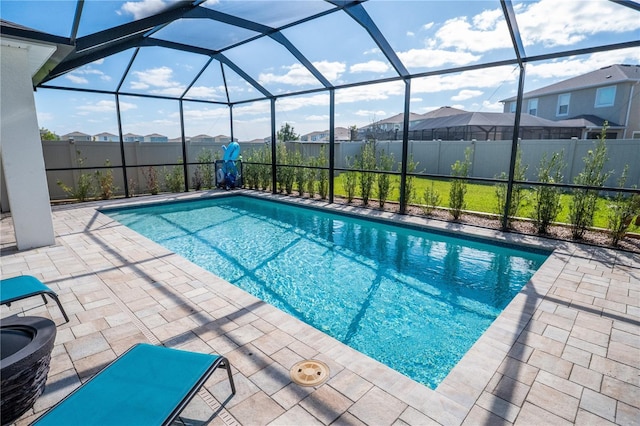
565 351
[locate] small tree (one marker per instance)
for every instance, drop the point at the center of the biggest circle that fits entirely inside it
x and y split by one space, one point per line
366 162
284 174
48 135
83 189
287 133
583 206
458 187
409 190
153 180
205 169
323 174
517 192
622 209
385 164
175 178
350 182
353 132
105 182
431 199
300 173
546 199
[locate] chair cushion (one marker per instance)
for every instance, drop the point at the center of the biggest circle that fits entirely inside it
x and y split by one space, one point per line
144 386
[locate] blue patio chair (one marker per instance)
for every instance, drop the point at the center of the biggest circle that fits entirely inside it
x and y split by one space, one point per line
22 287
147 385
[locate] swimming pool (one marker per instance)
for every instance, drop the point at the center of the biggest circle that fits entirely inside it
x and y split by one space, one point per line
414 300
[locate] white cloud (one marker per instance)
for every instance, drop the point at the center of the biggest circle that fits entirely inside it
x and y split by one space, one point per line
104 106
487 31
372 92
204 92
317 118
331 70
373 115
142 9
76 79
205 114
296 75
410 34
371 66
472 80
429 58
87 70
156 77
414 99
136 85
492 106
292 103
44 117
253 108
427 26
465 94
547 21
571 67
159 81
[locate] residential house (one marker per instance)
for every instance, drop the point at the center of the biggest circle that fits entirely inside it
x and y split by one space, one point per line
339 134
132 137
106 137
611 94
491 126
76 137
223 139
155 137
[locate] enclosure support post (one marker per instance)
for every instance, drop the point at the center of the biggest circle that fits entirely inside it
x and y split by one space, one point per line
332 142
405 146
123 158
514 150
518 48
231 122
273 147
185 166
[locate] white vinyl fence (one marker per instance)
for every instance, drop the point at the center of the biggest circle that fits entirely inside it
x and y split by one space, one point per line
490 158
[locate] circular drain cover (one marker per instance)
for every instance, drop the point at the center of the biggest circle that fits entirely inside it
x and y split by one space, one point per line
309 373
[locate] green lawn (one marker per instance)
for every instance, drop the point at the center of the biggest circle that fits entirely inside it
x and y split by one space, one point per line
480 198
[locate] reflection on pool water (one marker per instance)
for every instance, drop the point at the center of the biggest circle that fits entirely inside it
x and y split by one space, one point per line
414 300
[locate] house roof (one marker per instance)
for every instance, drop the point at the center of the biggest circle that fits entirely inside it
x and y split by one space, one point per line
443 112
589 121
485 119
105 134
604 76
76 133
398 118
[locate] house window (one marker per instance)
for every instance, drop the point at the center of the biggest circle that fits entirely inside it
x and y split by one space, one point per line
563 104
512 107
533 107
635 135
605 96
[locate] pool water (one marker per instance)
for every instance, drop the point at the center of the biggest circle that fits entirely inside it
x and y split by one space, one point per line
413 300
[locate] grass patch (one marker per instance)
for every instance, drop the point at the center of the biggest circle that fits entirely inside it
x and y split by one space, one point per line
481 198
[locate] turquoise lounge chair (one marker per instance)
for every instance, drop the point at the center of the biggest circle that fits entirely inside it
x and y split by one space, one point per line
147 385
22 287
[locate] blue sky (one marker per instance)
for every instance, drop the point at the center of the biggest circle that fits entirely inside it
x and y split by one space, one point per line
426 36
